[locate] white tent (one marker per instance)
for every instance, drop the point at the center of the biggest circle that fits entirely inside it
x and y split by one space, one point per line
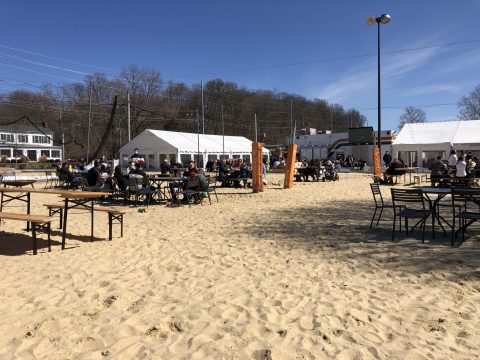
425 141
157 145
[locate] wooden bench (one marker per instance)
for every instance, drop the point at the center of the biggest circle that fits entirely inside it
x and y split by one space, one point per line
38 222
113 215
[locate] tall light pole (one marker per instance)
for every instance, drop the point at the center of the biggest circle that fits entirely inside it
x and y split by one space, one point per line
382 19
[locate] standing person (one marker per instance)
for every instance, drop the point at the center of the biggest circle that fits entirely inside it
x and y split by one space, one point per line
387 158
136 154
452 160
461 167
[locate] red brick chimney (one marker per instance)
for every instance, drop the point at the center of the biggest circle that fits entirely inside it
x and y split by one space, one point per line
44 124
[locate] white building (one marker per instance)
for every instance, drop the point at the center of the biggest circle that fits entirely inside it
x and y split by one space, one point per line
18 140
426 141
157 145
330 145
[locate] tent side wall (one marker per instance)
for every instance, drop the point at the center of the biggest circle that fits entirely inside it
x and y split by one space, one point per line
429 150
151 147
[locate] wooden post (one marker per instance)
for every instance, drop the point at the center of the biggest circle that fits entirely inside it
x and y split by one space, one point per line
377 165
290 166
257 161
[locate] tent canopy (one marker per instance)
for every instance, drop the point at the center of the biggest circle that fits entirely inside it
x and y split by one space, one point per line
453 133
189 143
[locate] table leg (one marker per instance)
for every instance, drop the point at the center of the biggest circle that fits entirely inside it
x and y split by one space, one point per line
65 213
91 212
34 237
28 209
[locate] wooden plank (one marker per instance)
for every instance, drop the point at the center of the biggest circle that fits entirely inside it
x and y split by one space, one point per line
26 217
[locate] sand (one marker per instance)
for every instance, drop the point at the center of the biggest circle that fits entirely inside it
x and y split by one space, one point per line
285 274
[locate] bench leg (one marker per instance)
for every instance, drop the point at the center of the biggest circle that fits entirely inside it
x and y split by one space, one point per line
49 242
121 225
34 237
110 220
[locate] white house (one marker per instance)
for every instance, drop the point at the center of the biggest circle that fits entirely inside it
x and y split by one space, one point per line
17 140
157 145
426 141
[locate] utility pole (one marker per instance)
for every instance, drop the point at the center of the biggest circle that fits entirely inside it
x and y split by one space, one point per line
128 116
223 134
291 121
203 111
63 134
63 146
256 140
89 121
198 139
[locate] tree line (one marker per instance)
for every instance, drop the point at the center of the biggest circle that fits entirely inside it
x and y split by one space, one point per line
228 108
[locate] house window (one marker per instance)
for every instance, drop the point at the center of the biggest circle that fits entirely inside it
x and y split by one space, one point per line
6 137
18 153
23 138
40 139
5 152
45 153
55 153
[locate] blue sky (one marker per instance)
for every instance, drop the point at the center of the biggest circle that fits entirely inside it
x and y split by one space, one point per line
313 48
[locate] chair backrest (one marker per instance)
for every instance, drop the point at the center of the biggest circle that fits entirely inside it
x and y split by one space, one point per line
377 194
408 197
134 184
467 198
192 184
10 173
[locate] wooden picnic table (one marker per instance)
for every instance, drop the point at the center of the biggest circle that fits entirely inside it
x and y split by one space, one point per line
72 198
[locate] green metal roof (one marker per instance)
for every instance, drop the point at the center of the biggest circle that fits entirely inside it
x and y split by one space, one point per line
20 128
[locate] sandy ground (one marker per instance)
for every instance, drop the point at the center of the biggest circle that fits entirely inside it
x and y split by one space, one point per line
285 274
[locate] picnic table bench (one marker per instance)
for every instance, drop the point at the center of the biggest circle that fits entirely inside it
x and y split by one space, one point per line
114 215
37 221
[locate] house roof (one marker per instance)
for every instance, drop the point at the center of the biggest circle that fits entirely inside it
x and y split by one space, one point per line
446 132
21 128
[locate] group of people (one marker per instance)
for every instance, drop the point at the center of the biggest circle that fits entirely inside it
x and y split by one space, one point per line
460 165
464 164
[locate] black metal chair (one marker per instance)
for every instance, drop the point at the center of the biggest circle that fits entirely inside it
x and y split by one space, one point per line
212 187
138 191
379 203
466 208
410 204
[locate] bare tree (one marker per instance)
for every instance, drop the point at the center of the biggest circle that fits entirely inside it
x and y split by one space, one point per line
469 106
412 115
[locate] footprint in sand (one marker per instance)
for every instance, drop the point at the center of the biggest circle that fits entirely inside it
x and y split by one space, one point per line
107 302
263 354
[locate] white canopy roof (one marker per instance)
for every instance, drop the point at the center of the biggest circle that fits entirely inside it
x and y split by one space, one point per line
449 132
182 142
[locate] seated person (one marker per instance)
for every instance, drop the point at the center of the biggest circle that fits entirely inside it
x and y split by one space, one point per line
392 170
94 178
438 169
165 167
146 187
223 170
120 178
72 180
175 186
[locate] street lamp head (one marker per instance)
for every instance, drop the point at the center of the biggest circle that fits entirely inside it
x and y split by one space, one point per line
371 20
385 18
